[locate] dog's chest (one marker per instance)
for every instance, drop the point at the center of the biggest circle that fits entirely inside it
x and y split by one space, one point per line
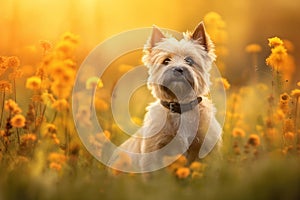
190 128
171 124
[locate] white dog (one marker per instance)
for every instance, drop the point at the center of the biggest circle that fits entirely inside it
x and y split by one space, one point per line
182 120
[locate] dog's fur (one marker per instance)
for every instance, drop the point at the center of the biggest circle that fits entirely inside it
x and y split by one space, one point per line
160 124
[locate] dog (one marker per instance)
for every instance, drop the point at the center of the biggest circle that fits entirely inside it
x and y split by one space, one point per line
182 119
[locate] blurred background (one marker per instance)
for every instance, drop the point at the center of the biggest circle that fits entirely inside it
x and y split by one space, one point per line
24 23
45 159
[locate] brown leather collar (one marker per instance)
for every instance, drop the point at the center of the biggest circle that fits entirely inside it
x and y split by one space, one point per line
179 108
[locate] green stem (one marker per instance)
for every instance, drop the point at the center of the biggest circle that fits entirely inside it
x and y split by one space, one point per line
2 108
67 138
18 136
296 116
54 117
15 90
40 124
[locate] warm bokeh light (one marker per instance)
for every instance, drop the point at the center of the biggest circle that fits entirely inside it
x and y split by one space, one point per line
42 46
24 23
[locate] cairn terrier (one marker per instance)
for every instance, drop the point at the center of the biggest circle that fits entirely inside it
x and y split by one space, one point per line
182 119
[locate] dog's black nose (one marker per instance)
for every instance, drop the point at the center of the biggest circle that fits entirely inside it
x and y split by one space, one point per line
177 70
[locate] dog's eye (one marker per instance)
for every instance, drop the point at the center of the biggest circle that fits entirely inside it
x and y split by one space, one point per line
189 61
166 61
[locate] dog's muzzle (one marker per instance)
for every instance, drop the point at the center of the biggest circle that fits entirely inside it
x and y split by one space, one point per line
178 74
178 81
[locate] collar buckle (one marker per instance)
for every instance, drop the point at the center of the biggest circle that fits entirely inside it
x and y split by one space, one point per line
176 107
172 107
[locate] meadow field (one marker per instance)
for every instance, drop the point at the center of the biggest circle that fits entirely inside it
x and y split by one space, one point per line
43 157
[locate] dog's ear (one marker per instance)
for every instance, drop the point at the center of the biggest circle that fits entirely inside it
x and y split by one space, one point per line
156 36
199 35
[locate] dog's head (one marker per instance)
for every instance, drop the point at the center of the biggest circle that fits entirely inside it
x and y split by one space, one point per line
179 69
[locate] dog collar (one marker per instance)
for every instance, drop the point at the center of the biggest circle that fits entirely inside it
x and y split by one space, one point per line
176 107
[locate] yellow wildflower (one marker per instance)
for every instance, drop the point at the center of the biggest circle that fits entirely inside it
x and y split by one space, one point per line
181 160
277 56
33 83
65 48
60 90
62 73
295 93
284 97
57 157
298 83
69 63
253 48
12 106
55 166
275 41
3 65
279 50
284 103
3 61
46 45
93 83
13 61
61 105
47 98
183 172
289 136
173 167
70 37
58 68
51 128
196 166
5 86
67 77
238 132
28 138
254 140
18 121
